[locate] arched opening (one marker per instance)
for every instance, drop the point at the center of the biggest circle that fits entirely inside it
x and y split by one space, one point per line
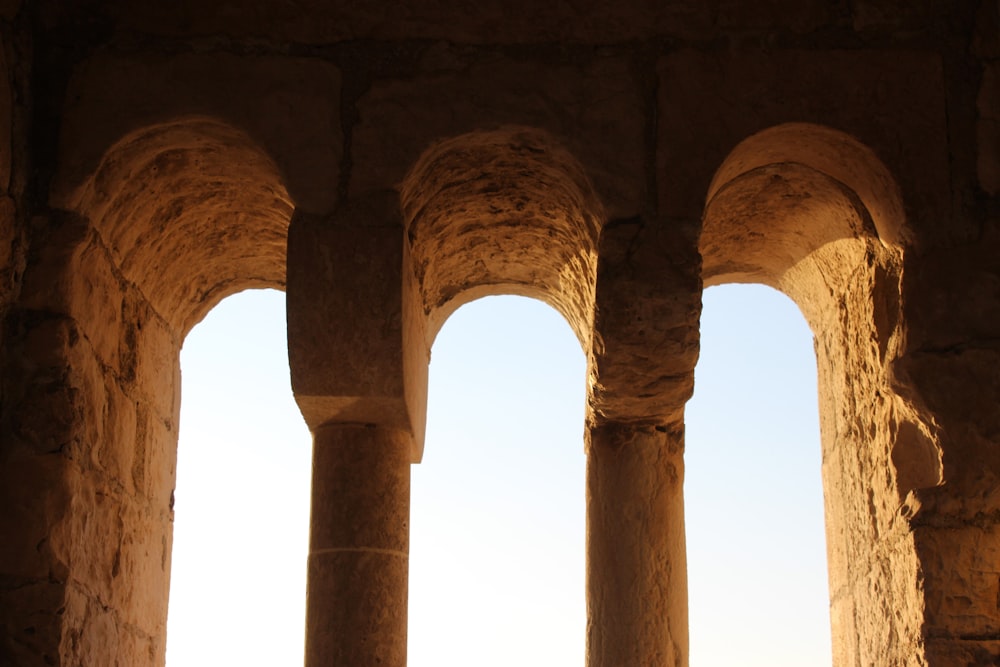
505 211
241 512
497 516
175 217
757 573
812 212
189 211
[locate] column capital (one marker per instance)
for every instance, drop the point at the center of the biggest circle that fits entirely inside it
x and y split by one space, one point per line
646 324
355 356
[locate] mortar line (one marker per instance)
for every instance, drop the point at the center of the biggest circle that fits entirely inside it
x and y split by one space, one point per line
332 550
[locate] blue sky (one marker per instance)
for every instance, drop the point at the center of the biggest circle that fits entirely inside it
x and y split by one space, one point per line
497 525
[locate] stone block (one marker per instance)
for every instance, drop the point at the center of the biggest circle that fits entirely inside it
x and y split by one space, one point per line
891 101
30 620
345 321
488 21
952 296
646 323
294 116
961 566
360 489
113 451
961 388
360 616
46 405
92 630
154 467
988 130
141 583
97 300
88 538
149 350
986 38
9 9
10 253
48 283
594 107
966 652
799 17
36 495
898 16
6 119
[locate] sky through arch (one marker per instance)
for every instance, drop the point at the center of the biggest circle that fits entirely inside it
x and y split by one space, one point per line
241 510
757 581
497 526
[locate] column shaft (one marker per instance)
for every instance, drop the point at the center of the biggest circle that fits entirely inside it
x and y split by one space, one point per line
359 547
636 562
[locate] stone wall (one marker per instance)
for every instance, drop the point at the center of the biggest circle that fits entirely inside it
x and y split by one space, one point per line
608 158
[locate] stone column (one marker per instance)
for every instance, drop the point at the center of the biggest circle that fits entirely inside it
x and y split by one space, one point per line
642 372
358 547
636 561
358 361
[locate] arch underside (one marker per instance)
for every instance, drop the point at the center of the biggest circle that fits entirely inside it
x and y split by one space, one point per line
191 211
502 211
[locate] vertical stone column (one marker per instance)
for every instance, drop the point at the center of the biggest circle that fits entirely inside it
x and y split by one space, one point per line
636 560
358 363
642 372
358 547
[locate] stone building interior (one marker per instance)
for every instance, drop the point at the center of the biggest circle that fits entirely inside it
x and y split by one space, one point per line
384 163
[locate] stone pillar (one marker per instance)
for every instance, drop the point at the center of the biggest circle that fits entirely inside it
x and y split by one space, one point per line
953 367
358 361
358 547
646 346
636 560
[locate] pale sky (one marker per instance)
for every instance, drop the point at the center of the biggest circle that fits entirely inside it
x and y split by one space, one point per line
497 513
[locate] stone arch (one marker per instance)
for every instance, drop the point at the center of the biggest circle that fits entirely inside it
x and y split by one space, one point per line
191 211
508 210
176 216
814 213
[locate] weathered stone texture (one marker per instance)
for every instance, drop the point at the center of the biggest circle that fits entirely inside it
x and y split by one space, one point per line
100 432
893 101
314 21
12 233
646 343
986 35
359 546
636 566
172 203
988 130
590 102
508 207
874 576
899 16
608 158
348 369
812 213
288 107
